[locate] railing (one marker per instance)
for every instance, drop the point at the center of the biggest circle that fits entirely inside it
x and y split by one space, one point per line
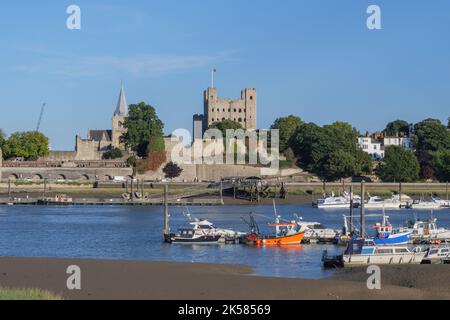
59 164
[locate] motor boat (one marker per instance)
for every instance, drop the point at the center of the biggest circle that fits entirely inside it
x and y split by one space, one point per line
395 202
363 252
437 254
386 236
333 201
442 202
316 232
203 232
425 205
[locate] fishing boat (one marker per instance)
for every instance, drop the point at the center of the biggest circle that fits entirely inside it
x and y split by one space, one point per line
333 201
203 232
386 236
286 233
437 254
395 202
426 231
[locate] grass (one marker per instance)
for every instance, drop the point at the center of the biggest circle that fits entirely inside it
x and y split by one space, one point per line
27 294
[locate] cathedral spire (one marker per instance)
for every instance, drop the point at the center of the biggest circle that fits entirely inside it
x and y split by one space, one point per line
122 106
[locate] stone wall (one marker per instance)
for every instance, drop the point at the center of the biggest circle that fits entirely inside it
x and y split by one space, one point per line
87 150
60 156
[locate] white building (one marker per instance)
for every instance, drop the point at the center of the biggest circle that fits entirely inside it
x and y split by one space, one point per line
396 141
372 147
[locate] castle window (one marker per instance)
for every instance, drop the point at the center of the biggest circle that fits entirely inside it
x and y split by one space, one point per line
240 110
240 119
251 97
229 110
234 110
212 119
223 119
212 109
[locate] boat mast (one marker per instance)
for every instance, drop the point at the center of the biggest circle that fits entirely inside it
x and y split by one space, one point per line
166 212
363 226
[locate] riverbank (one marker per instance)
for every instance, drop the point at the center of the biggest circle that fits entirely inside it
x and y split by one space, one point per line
104 279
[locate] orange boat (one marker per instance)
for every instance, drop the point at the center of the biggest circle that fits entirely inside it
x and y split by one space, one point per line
288 236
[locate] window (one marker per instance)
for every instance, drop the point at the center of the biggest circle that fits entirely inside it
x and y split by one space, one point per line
240 110
234 110
240 119
212 110
251 97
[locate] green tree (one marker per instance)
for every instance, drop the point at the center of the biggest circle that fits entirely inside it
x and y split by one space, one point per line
28 145
172 170
331 151
112 154
429 136
225 125
287 126
398 165
442 165
2 138
448 123
397 128
142 125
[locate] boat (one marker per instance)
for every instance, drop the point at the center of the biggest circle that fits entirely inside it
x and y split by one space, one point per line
437 254
333 201
386 236
57 200
443 203
395 202
203 232
316 232
363 252
286 233
425 205
426 231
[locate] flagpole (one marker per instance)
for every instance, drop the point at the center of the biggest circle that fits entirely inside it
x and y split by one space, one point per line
212 78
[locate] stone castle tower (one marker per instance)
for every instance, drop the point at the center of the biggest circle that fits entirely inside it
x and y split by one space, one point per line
241 110
118 119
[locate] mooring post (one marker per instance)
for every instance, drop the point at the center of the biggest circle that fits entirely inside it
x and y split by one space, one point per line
221 191
166 211
132 191
446 189
363 191
142 188
352 226
400 192
45 190
9 189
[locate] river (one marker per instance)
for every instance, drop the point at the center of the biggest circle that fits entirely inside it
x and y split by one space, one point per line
135 233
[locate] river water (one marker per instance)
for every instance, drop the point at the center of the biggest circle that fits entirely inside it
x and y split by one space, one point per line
135 233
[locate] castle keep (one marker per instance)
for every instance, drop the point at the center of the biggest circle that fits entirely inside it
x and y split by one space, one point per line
217 109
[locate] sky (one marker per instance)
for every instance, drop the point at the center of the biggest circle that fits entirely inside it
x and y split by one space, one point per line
313 58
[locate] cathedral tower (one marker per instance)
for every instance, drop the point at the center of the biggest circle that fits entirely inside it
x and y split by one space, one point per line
118 119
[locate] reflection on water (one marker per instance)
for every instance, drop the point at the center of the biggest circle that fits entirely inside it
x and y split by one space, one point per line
135 233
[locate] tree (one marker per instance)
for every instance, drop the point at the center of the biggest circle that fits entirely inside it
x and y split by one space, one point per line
172 170
156 154
113 153
398 165
28 145
441 160
448 123
331 151
430 136
2 138
397 128
225 125
142 124
287 126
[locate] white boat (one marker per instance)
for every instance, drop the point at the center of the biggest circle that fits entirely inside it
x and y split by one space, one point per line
203 232
426 231
425 205
443 203
392 203
364 252
437 255
315 231
332 201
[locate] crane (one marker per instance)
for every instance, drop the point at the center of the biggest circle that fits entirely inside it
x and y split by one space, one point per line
40 117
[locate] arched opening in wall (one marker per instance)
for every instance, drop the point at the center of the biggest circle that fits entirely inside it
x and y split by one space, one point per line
84 177
223 119
240 119
107 178
13 177
36 178
61 178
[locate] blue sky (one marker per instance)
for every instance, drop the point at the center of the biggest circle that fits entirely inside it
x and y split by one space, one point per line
312 58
